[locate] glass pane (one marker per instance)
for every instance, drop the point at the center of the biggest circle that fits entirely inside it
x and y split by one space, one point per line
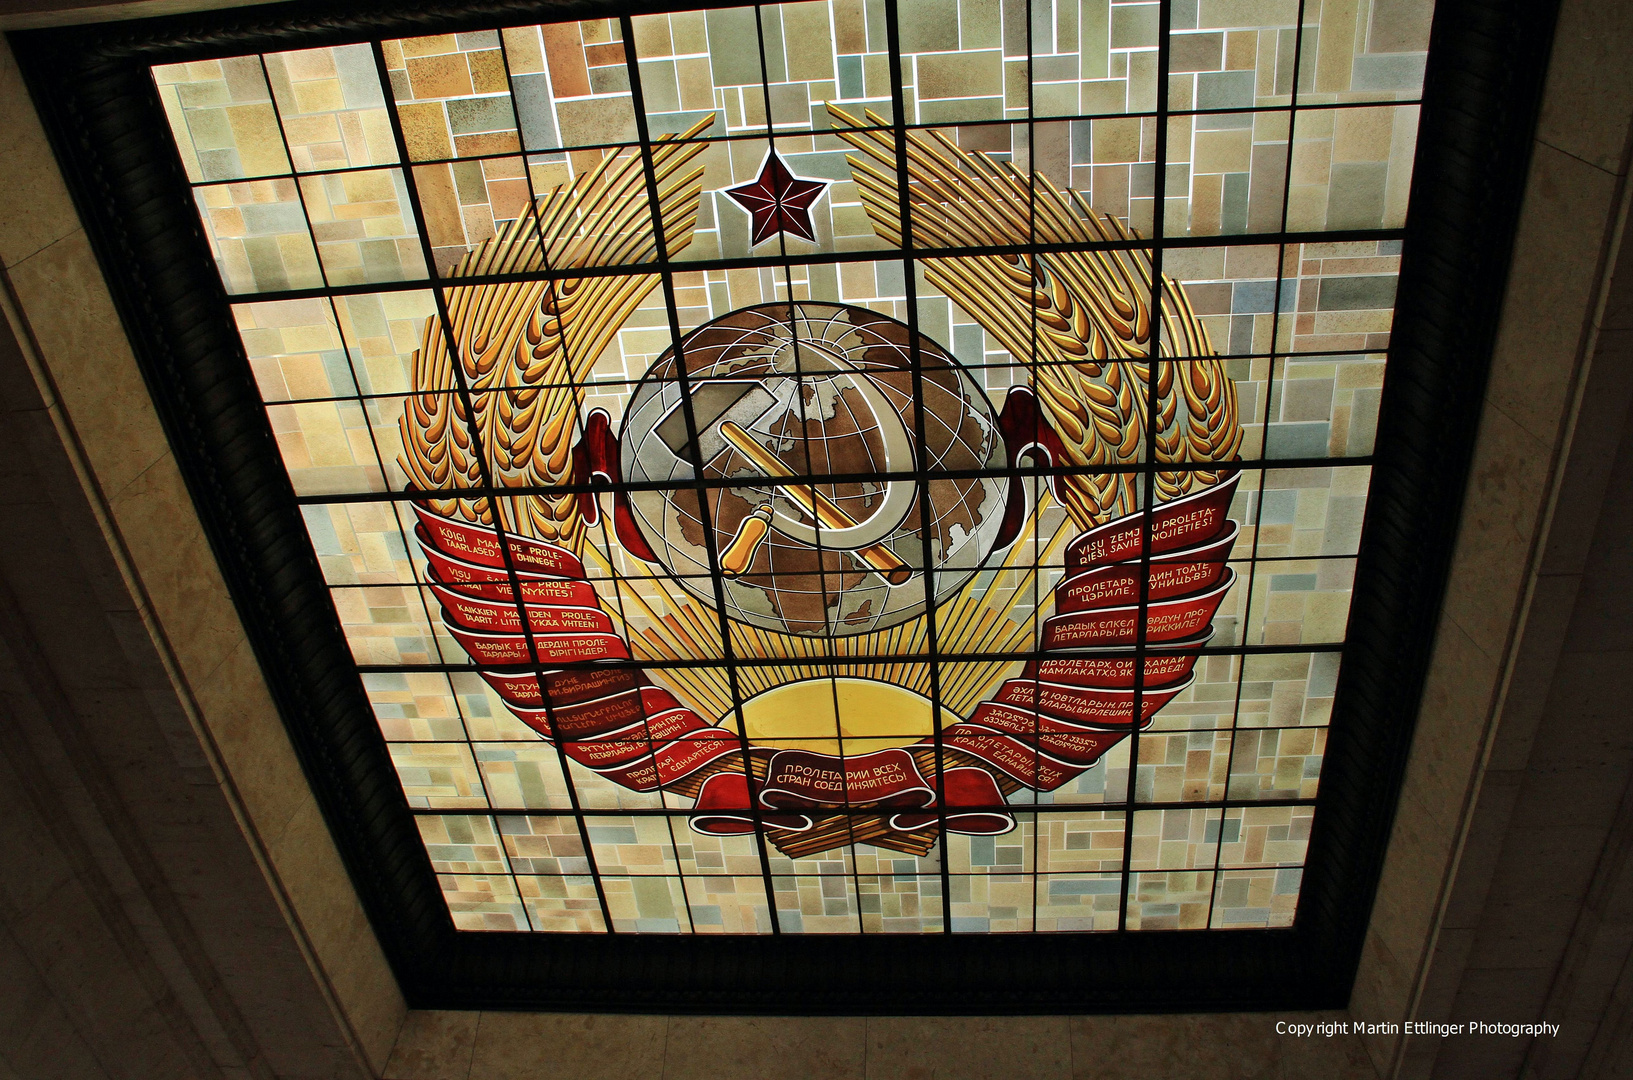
414 706
222 118
452 96
462 844
484 902
956 65
1277 763
522 775
900 904
1169 901
259 236
727 905
647 905
1256 899
825 53
331 107
1288 689
1352 168
468 202
1265 836
544 845
364 225
1182 766
438 775
295 348
1174 839
570 83
817 905
678 75
562 904
327 446
1076 903
1370 51
1346 297
383 331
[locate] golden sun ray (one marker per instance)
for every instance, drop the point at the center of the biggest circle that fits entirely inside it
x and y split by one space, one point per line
977 620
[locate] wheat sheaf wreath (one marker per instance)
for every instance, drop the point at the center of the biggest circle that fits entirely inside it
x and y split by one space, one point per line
525 348
1084 315
1081 310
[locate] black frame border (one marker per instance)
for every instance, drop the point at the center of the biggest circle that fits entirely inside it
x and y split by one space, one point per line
1484 84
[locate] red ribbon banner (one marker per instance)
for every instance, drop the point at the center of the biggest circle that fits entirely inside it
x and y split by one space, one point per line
1059 718
1041 729
886 781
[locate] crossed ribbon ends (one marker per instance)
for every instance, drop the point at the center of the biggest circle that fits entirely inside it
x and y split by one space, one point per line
887 782
1131 614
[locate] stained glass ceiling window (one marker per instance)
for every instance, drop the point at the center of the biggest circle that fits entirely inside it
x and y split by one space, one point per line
837 467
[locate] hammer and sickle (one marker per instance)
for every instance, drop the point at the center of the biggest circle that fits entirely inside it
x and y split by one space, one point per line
898 446
723 410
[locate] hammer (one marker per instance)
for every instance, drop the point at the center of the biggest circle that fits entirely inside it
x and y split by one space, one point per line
722 410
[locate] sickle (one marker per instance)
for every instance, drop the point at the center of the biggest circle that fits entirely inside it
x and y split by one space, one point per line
899 494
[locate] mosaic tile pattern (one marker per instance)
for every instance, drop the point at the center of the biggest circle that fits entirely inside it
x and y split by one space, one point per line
1174 839
296 349
452 96
1277 763
414 706
560 904
363 223
1255 899
829 904
727 905
522 774
467 202
1265 836
326 446
438 776
382 332
332 109
260 236
570 85
1182 766
1172 900
1005 903
360 543
1288 689
221 115
1081 843
485 902
462 845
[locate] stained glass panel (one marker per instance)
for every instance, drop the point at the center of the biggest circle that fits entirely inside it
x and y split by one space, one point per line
809 502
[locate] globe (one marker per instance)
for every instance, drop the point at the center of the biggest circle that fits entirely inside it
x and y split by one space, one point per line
800 422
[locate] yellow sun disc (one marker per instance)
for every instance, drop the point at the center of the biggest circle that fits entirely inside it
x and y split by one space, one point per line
834 716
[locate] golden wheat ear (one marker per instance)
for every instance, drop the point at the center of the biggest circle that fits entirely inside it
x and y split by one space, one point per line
1083 311
524 347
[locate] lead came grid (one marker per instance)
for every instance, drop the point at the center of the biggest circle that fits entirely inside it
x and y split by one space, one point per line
339 186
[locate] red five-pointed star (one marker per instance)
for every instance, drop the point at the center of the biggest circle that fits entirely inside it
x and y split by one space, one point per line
778 200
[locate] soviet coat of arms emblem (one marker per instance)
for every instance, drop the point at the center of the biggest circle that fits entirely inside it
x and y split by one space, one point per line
827 491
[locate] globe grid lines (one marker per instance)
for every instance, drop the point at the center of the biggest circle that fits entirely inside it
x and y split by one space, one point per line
813 596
